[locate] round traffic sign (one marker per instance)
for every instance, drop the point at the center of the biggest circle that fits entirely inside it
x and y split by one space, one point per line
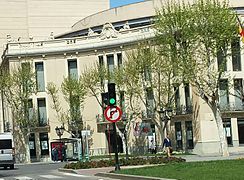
113 113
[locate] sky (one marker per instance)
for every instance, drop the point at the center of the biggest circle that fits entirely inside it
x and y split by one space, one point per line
116 3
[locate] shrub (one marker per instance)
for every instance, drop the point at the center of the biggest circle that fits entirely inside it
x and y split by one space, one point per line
123 162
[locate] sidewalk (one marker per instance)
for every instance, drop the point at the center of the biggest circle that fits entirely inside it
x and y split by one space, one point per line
104 172
194 158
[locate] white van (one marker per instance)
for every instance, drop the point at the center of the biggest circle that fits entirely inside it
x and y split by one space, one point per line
7 154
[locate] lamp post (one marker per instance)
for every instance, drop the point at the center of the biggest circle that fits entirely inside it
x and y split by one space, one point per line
59 131
165 115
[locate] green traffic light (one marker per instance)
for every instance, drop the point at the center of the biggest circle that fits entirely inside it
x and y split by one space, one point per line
112 101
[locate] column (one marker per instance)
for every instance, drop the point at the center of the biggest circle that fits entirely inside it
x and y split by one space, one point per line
234 131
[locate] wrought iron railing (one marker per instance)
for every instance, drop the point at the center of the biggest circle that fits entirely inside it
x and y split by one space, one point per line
231 107
184 110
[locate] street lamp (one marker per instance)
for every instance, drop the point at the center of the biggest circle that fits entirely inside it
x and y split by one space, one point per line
59 131
165 114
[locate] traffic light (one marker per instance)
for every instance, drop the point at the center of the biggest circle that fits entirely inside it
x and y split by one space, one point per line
111 94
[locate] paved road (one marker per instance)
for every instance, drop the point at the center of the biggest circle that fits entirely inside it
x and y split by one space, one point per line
42 171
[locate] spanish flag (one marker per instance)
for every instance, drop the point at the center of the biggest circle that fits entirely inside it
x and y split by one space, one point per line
241 30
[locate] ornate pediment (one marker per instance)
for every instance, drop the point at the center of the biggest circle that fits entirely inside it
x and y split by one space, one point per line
108 32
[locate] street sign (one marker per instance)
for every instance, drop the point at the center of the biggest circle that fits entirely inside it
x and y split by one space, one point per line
113 113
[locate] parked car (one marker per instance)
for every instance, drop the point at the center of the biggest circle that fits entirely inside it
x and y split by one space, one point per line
7 154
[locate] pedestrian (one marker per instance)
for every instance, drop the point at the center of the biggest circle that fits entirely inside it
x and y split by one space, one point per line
167 145
63 153
53 153
152 146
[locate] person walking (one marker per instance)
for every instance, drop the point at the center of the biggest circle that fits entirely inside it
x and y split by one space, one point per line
63 153
167 145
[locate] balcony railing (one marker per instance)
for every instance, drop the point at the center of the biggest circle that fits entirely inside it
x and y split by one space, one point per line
232 107
184 110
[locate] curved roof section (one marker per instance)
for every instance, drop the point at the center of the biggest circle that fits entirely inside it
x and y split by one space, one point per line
140 11
121 13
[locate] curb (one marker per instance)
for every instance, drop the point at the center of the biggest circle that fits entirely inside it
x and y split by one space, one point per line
67 170
128 177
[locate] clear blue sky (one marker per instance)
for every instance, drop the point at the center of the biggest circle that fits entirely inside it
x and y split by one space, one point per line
116 3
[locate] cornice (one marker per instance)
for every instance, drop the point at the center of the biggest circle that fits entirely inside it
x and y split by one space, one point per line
108 38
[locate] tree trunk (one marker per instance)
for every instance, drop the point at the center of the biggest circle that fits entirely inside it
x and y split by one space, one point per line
27 150
222 137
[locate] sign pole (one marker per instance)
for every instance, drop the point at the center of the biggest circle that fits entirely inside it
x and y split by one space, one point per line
117 166
113 114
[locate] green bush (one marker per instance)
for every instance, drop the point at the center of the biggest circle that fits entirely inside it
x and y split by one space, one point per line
123 162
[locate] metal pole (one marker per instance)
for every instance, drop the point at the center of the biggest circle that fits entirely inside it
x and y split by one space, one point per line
126 146
117 167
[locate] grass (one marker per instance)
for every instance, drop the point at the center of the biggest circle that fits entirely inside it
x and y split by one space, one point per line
207 170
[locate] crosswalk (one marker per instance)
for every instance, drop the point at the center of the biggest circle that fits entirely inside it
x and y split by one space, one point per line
47 176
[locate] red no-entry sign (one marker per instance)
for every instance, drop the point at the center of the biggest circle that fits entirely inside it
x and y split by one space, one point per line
113 114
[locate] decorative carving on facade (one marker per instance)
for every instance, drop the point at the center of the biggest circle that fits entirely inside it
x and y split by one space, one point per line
91 32
108 32
126 26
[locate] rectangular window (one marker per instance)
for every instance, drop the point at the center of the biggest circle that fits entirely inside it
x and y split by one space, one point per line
177 100
221 59
236 54
30 110
122 103
110 63
223 94
240 123
42 112
44 144
72 68
227 130
150 102
178 135
100 61
6 144
119 57
189 135
101 66
238 90
188 98
40 76
26 68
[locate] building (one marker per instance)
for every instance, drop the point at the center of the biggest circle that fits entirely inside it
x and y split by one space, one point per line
105 37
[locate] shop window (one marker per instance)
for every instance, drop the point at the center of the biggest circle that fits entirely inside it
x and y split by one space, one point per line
189 135
227 131
178 136
44 143
240 123
32 145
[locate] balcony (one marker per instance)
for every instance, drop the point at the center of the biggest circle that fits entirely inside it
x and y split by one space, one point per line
231 107
182 110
